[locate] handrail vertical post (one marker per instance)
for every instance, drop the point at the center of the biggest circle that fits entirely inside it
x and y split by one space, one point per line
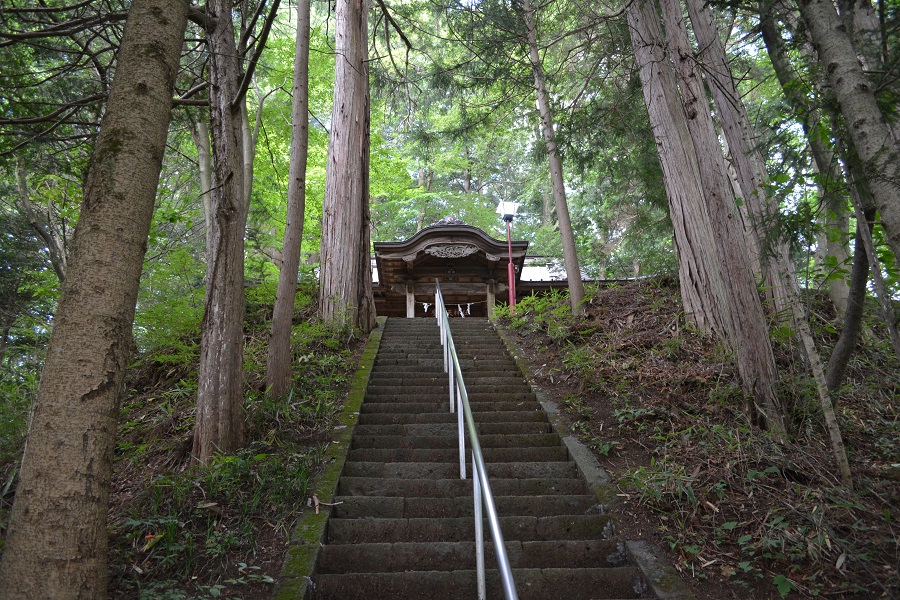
479 535
452 388
462 439
447 358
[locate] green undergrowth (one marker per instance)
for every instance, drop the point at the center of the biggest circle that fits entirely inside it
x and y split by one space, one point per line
660 405
179 530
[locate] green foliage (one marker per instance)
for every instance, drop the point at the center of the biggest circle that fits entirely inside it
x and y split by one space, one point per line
664 485
549 311
170 308
207 513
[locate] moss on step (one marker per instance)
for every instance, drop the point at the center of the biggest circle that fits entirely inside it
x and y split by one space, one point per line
308 535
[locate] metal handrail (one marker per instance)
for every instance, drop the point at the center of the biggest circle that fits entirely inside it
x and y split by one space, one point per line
459 403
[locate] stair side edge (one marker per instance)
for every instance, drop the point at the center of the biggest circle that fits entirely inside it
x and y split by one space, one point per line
309 532
595 475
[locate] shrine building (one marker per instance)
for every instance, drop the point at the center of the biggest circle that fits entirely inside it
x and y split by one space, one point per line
471 266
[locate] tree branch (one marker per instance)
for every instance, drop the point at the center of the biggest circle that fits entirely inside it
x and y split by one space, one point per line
394 24
260 46
66 28
86 101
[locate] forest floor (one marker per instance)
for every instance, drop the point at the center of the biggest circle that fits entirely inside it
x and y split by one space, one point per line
738 515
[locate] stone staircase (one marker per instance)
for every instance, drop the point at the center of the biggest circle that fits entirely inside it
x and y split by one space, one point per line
402 526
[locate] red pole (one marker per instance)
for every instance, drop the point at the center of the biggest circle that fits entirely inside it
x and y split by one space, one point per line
512 269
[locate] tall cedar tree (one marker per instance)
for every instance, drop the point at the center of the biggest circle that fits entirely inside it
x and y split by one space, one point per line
346 274
548 129
762 210
746 330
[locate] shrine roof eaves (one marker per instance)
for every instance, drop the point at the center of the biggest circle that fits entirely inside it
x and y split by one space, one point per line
449 234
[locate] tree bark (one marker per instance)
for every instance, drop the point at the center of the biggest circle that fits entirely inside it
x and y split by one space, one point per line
745 324
773 256
699 277
220 419
56 543
778 269
570 254
826 162
861 24
346 274
862 206
279 366
866 124
859 277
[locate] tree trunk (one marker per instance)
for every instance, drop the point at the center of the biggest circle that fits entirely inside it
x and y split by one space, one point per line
56 543
832 202
346 274
861 24
866 125
279 366
220 419
827 163
745 324
778 269
200 135
424 176
749 165
861 206
570 254
859 277
832 247
546 210
699 277
56 248
8 320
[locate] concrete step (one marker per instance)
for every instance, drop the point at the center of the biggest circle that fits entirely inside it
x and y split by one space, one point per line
367 507
377 389
404 442
475 396
445 416
449 488
462 529
472 379
573 584
401 523
449 470
450 428
451 556
451 455
436 366
407 407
